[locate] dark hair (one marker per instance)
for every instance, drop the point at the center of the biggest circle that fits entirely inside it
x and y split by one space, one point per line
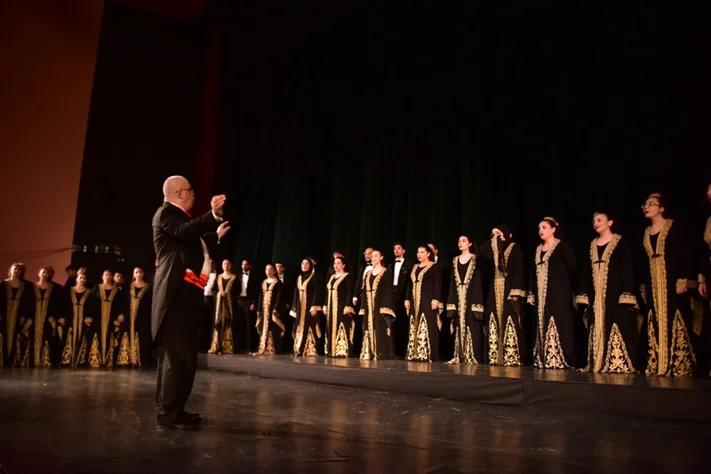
270 264
432 244
71 266
473 247
311 263
615 223
243 260
107 270
430 253
504 230
279 262
343 261
553 222
400 244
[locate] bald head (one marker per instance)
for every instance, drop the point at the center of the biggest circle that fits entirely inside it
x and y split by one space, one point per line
177 190
172 185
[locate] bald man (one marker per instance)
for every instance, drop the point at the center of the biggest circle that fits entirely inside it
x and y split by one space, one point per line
181 244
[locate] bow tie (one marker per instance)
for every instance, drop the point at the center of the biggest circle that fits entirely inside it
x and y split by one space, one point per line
398 261
245 273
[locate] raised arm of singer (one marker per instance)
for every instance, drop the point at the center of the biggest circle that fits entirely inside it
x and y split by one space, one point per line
181 276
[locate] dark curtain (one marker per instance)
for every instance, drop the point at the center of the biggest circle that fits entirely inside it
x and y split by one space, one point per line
344 127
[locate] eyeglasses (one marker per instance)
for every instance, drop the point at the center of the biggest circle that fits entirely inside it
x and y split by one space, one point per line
647 205
190 190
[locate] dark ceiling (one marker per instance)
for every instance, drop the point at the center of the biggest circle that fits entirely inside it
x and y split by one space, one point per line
179 10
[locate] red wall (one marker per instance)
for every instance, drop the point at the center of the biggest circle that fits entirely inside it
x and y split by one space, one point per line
48 58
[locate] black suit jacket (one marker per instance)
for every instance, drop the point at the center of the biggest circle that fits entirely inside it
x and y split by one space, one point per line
176 240
403 279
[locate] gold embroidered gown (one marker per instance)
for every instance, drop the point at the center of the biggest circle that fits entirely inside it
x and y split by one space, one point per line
378 315
506 342
222 335
551 292
308 297
139 305
425 322
16 323
607 289
269 325
100 346
465 309
44 343
72 328
340 327
671 329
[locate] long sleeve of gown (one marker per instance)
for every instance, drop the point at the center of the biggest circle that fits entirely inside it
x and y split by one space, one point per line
437 298
319 293
277 296
532 285
385 292
518 283
348 282
586 286
476 294
452 297
627 282
295 302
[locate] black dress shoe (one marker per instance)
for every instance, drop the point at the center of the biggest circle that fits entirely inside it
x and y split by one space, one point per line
168 419
190 418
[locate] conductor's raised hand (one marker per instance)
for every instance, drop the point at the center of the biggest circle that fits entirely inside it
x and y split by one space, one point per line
218 203
222 229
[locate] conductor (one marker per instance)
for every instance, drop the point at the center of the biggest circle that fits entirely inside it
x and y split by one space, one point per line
181 245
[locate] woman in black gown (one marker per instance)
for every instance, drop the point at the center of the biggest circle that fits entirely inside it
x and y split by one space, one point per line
505 297
227 290
16 318
46 297
140 299
269 325
305 309
607 290
74 324
377 310
551 292
339 311
465 306
669 274
423 304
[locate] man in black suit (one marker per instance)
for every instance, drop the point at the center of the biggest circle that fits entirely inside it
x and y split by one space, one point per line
247 298
180 244
400 270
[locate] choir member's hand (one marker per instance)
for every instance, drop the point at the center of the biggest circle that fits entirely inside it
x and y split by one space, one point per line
251 307
120 319
222 229
407 306
217 203
434 306
681 289
703 290
314 313
355 301
515 298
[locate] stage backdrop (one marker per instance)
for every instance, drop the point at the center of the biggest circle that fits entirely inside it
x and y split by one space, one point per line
343 127
48 57
145 125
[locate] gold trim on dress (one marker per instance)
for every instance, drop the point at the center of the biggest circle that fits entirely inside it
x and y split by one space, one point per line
600 270
582 299
658 271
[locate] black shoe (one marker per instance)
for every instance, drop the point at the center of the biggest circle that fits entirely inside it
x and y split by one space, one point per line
190 418
168 420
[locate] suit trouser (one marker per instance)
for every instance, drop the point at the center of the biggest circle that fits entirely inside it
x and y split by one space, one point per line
177 348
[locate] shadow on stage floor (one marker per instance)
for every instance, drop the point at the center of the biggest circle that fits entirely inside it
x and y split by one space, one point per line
615 394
